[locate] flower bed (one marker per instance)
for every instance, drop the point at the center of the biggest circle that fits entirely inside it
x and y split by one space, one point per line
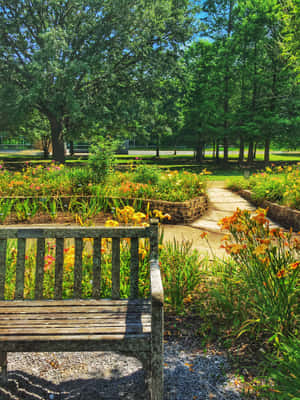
278 190
52 190
276 184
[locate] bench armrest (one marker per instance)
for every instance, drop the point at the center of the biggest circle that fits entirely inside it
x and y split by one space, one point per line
157 291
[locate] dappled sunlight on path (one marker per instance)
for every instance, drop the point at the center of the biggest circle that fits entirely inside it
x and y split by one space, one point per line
222 203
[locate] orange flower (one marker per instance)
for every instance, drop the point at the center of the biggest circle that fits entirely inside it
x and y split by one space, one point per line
260 250
281 273
295 265
203 235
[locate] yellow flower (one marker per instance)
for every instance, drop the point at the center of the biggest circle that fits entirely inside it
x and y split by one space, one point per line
111 222
260 250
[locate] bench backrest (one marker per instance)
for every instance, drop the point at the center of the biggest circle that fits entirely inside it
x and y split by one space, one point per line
78 234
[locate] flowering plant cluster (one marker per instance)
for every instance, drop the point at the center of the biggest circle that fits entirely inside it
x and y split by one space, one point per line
279 184
268 260
56 180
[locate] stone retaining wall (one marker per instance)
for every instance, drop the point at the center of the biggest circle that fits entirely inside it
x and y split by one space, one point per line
183 212
286 216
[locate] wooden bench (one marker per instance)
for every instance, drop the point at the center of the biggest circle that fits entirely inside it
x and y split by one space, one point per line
131 326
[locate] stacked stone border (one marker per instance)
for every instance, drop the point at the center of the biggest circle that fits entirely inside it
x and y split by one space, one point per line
286 216
183 212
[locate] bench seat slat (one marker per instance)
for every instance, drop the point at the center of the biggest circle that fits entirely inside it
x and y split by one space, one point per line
94 330
69 316
100 342
66 309
110 321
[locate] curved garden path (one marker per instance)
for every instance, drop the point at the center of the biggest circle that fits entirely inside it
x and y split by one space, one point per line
222 203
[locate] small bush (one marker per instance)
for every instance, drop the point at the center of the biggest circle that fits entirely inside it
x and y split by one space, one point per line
146 174
102 157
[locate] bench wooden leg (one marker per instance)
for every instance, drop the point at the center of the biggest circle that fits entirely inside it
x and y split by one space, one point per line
145 358
3 364
157 356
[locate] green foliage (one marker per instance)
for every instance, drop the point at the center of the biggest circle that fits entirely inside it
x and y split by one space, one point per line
5 209
277 184
101 158
79 63
284 371
267 271
144 173
181 273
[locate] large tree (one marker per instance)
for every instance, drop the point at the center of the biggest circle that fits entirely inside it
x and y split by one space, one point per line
78 61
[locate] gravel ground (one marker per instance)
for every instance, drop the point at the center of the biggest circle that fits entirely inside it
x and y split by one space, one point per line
190 374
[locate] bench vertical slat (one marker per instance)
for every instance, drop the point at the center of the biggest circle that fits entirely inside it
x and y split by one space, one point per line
20 269
3 245
115 272
134 268
59 263
78 268
39 271
97 268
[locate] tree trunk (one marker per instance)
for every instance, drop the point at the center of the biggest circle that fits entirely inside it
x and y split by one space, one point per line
254 151
242 149
157 150
225 144
200 151
217 150
214 150
46 152
71 148
58 147
267 150
250 151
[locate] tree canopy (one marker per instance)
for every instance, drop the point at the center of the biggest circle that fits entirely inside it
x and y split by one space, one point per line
79 62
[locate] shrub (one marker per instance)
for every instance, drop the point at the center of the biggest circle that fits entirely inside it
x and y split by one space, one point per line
146 174
101 158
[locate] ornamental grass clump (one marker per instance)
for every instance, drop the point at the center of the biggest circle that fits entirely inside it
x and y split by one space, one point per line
267 269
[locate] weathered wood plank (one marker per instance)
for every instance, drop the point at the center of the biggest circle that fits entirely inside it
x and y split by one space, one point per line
115 268
3 246
39 271
20 269
110 321
96 268
78 268
36 232
59 262
77 302
94 330
66 309
134 268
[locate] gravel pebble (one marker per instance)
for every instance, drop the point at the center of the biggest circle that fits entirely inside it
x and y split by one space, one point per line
190 374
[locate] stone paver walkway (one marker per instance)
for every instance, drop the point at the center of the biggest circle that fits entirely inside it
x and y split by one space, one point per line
222 203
